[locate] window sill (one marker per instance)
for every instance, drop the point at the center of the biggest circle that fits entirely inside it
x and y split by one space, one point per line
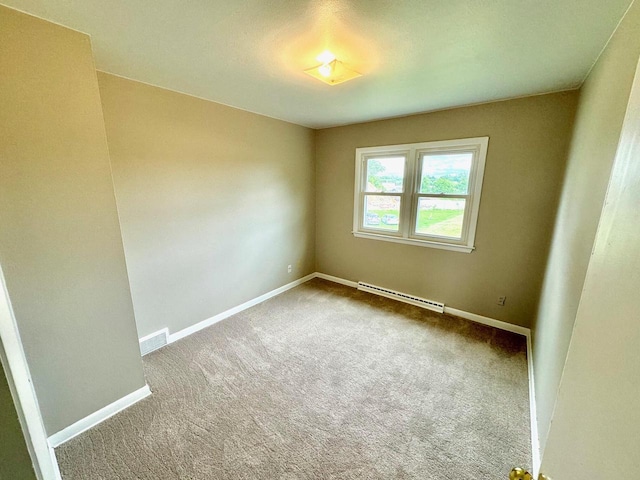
411 241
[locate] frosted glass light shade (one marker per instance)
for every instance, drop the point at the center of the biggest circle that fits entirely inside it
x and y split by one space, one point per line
332 73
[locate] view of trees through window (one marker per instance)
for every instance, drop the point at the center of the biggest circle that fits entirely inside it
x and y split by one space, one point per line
441 173
384 175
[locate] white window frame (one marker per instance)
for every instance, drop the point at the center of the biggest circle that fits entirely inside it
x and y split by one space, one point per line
410 195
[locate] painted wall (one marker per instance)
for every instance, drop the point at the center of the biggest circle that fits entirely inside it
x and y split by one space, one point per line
15 461
603 101
528 145
595 432
214 202
60 243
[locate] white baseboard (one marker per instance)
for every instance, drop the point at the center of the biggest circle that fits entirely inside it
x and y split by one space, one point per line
491 322
333 279
95 418
232 311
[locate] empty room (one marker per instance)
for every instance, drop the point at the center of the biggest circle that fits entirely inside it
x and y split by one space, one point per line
319 239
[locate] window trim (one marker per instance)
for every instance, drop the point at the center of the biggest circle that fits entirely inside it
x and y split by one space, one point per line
413 153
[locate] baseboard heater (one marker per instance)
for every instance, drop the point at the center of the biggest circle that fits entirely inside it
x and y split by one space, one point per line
154 341
403 297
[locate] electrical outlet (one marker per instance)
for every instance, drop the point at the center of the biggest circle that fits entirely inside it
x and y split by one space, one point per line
289 269
502 301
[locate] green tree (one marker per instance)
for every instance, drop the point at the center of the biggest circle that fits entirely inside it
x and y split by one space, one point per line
427 185
452 183
444 185
374 168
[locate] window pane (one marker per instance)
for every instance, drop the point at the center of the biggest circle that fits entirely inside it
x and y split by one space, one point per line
381 212
446 173
440 216
385 174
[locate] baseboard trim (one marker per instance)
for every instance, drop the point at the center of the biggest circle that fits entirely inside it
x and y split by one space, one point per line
174 337
95 418
491 322
333 279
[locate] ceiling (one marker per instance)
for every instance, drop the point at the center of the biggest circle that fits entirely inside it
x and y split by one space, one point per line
415 55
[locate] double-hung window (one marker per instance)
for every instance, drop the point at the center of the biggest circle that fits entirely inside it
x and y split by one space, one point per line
424 194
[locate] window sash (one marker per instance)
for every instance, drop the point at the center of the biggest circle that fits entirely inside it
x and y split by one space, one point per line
402 224
381 231
441 238
419 159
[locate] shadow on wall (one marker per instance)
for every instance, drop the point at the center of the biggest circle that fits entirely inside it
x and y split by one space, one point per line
15 462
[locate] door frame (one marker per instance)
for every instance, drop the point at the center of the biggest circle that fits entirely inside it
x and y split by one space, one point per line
24 397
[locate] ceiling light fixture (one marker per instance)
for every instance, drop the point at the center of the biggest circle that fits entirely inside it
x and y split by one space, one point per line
331 71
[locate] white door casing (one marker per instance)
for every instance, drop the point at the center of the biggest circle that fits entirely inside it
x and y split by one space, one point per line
24 396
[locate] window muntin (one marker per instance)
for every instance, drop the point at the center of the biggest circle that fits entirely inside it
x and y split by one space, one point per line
424 194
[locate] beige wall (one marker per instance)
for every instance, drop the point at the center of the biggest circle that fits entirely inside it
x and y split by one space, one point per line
60 244
595 432
214 202
602 104
525 165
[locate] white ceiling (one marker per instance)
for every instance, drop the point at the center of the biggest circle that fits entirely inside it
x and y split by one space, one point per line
416 55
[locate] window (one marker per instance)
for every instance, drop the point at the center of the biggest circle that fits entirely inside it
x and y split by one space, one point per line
424 194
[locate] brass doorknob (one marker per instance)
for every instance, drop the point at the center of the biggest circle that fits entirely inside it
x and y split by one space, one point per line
520 474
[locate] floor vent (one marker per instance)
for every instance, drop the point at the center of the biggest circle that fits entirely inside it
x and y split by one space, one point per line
154 341
403 297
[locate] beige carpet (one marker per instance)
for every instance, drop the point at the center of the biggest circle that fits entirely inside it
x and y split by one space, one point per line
322 382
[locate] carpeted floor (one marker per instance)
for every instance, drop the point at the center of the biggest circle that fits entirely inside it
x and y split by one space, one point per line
322 382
